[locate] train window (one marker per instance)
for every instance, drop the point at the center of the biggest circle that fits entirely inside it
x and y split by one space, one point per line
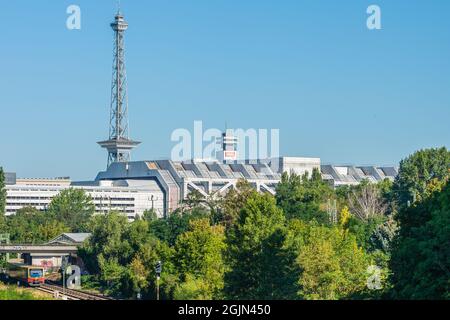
36 273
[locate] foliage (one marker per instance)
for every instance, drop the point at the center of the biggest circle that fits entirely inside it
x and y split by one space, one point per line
124 255
364 230
256 255
29 225
383 235
234 201
417 171
199 255
73 207
303 198
150 216
168 230
11 293
344 217
193 289
421 252
332 265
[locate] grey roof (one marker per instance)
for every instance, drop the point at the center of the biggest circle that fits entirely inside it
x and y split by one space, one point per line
190 170
77 237
70 238
356 174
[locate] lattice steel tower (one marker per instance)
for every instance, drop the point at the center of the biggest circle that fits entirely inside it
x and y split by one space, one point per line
119 145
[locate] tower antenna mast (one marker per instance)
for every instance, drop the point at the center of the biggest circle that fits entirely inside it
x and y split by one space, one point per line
119 144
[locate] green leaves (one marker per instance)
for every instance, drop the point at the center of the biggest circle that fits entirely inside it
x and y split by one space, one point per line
256 257
302 197
123 255
417 171
421 253
73 207
29 225
200 263
331 263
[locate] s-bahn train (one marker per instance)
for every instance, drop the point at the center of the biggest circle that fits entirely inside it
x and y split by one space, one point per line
29 275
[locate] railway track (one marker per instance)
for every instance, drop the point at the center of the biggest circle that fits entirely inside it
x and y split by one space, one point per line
70 293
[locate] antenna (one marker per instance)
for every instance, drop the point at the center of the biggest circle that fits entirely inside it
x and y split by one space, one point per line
119 144
118 6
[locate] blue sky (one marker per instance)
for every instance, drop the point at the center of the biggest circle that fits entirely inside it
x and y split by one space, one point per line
309 68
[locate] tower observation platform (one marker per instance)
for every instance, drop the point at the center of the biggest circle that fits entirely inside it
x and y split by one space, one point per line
119 144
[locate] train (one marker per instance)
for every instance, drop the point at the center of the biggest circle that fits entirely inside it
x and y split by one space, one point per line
32 276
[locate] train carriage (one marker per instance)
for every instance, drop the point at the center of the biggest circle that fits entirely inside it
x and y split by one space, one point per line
29 275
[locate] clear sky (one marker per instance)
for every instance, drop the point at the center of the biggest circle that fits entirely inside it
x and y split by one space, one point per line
310 68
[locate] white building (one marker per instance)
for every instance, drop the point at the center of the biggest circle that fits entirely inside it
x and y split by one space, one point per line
130 197
134 187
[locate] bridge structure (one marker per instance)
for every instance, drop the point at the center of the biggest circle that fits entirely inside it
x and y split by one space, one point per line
38 249
50 254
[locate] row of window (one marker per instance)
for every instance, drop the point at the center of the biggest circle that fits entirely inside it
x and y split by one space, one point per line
50 198
114 205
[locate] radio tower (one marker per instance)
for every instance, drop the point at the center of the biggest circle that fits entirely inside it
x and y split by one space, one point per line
119 145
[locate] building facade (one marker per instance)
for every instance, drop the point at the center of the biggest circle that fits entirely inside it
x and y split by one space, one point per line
131 198
161 185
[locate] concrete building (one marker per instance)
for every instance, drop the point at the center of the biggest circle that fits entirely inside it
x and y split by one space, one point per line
10 178
161 185
178 179
130 197
353 175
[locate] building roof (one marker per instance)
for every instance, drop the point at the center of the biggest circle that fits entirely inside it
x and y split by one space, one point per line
70 238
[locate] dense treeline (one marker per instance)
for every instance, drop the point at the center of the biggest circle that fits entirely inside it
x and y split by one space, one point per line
388 240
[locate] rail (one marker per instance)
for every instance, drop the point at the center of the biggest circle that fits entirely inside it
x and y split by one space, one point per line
71 294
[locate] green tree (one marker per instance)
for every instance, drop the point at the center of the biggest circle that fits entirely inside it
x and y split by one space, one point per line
234 201
150 216
331 263
30 225
199 255
73 207
168 230
258 261
107 242
193 289
417 171
420 260
51 229
302 197
124 254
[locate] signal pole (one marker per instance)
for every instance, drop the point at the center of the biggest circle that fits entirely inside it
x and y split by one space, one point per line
158 270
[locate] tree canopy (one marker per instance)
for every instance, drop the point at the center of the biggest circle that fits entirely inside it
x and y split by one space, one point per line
73 207
418 171
421 252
